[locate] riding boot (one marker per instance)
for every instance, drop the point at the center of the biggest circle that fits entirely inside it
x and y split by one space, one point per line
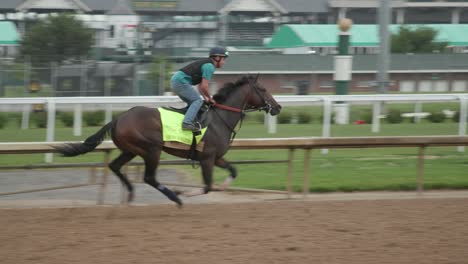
194 127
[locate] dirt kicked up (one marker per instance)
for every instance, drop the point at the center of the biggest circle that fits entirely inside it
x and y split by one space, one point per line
374 231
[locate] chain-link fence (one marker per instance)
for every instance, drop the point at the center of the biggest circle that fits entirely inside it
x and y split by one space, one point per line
90 78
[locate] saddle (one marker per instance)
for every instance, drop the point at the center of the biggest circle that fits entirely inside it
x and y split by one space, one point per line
175 137
202 116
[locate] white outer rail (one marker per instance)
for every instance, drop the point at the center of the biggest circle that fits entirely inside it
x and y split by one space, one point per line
326 101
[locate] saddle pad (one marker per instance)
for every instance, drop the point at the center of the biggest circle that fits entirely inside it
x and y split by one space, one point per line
172 128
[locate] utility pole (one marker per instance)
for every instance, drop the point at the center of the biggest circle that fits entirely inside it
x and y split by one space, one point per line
383 62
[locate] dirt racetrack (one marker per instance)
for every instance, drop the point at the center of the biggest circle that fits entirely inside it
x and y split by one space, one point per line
373 231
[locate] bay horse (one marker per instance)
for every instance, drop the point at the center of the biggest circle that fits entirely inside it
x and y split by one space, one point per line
138 132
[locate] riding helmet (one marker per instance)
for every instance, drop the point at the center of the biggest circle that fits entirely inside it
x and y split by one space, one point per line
219 51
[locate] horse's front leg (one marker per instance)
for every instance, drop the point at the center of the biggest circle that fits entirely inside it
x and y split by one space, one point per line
222 163
207 172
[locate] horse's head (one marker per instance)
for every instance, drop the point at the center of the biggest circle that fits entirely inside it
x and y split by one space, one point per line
260 99
247 94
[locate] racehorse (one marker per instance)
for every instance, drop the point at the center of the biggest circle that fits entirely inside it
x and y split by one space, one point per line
138 132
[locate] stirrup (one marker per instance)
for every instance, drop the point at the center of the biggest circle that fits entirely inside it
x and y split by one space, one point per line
194 127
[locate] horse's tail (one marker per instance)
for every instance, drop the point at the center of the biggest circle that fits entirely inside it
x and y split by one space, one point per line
75 149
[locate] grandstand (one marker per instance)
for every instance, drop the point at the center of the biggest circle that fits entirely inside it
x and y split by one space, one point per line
249 34
186 29
364 39
179 25
403 12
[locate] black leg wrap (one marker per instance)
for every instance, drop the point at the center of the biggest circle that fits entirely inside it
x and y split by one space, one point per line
206 189
170 194
233 171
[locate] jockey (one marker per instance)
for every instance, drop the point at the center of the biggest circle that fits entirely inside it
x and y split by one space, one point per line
197 73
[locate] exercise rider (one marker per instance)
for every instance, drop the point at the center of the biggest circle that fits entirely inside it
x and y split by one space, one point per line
197 73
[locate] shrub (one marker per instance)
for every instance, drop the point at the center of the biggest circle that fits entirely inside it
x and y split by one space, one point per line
366 116
255 117
456 117
394 116
3 120
95 118
39 119
260 117
436 117
332 121
66 118
115 115
284 117
304 118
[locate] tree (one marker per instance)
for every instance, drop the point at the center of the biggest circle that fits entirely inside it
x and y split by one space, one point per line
418 40
56 39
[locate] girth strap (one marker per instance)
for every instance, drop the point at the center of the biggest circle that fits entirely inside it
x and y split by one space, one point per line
192 154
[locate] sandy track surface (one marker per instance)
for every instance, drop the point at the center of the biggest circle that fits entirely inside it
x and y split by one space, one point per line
363 231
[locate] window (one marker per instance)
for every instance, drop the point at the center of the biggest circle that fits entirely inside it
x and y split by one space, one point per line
440 86
327 84
459 86
111 31
425 86
364 84
407 86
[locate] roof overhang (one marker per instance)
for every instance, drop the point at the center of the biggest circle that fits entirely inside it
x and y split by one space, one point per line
253 6
76 5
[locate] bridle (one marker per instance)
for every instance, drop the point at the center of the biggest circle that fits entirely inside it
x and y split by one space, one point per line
267 107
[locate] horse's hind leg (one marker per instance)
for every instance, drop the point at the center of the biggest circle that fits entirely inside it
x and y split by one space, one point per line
116 165
151 164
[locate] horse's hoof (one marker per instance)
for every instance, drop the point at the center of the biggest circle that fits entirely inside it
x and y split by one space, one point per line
179 203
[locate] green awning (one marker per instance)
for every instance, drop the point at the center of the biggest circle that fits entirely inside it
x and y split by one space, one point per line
8 33
290 36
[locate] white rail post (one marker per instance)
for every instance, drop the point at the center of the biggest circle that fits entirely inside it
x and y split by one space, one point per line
25 116
417 109
108 115
376 110
462 120
77 119
327 111
50 127
271 123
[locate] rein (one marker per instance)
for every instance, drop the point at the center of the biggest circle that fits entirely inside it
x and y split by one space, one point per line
225 107
232 109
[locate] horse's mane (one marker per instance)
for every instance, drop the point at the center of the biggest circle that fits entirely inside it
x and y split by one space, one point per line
229 87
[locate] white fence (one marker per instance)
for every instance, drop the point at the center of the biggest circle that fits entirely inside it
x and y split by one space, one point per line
109 103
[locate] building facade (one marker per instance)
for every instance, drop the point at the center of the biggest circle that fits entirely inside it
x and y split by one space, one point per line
186 29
